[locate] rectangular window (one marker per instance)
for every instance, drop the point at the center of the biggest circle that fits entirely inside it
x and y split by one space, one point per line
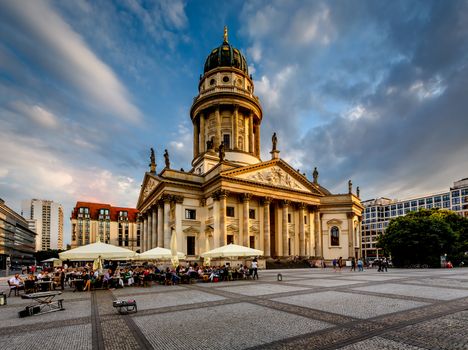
230 212
406 204
455 200
421 202
414 203
305 219
190 214
289 218
429 201
446 197
251 213
437 199
227 141
190 245
400 205
230 239
455 193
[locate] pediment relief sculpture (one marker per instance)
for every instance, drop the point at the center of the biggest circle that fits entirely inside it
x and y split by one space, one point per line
232 228
150 186
275 176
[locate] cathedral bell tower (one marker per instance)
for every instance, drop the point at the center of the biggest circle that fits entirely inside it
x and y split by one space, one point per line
225 111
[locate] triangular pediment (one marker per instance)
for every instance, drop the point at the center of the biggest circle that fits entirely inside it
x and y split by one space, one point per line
275 173
150 182
191 231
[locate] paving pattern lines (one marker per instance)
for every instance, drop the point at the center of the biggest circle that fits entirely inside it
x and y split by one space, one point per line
416 291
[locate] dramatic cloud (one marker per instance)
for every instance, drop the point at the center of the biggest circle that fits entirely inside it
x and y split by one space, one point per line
64 55
372 91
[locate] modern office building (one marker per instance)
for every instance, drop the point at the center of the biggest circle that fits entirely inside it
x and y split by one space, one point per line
48 217
17 241
91 222
378 212
231 195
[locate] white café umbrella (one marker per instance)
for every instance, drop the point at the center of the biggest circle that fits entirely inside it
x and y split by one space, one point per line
50 260
230 251
97 250
158 253
174 256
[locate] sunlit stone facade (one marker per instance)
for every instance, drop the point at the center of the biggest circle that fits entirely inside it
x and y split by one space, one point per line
230 194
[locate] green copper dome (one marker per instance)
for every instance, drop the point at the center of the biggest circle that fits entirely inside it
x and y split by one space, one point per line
226 56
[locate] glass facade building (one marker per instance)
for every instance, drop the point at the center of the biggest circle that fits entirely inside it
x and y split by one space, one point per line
378 212
17 241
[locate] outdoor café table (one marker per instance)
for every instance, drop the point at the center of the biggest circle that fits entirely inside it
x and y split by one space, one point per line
45 285
45 301
77 284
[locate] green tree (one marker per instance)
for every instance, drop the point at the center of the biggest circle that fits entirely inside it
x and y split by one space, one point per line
422 237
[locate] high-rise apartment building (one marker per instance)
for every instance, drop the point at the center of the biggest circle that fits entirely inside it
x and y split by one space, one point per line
378 212
48 217
91 222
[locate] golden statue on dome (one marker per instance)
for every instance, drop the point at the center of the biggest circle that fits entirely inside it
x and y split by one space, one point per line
225 34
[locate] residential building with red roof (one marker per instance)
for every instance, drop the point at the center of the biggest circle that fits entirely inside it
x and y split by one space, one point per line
91 222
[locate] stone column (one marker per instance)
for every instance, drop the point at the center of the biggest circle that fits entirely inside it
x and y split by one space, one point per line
149 232
218 137
245 218
257 140
154 232
285 227
350 217
167 228
145 233
251 140
360 236
202 147
318 234
196 146
160 225
216 228
235 128
178 222
302 250
222 217
266 226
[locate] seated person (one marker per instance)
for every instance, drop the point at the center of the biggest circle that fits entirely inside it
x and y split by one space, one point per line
107 281
16 282
86 281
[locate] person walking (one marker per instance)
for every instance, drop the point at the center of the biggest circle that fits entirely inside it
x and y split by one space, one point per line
255 268
353 264
340 263
334 262
360 265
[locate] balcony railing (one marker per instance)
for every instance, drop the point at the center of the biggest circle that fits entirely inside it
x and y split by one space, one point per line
231 89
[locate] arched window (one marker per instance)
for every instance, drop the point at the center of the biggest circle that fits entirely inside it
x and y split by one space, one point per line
335 236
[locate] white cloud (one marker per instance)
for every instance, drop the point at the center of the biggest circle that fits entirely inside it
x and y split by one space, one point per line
429 89
355 112
65 53
37 114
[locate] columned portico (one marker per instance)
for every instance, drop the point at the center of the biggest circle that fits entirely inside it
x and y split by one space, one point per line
160 205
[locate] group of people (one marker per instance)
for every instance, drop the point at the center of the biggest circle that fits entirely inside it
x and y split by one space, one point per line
338 264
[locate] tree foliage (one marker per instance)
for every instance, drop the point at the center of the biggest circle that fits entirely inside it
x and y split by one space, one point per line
423 236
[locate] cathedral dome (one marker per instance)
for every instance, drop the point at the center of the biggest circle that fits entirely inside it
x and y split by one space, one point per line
226 56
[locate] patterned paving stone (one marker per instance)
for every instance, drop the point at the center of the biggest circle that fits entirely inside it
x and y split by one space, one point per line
422 292
140 290
75 337
381 344
73 309
181 297
348 304
235 326
447 332
441 282
369 277
317 282
261 289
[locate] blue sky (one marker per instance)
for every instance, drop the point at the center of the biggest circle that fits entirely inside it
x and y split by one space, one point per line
373 91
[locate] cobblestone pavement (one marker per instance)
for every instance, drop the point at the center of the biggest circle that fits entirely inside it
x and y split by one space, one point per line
308 309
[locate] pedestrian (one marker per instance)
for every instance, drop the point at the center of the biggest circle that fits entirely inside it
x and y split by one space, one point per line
379 264
360 265
385 264
353 264
340 263
255 268
334 262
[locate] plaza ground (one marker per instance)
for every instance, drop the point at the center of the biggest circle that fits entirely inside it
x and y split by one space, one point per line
308 309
